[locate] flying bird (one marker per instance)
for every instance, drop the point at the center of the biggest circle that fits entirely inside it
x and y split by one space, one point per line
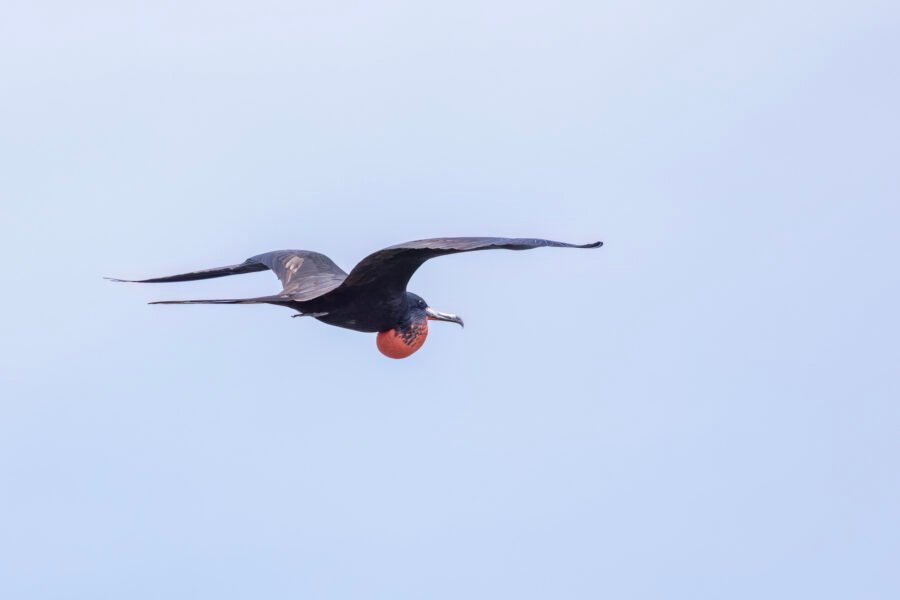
371 298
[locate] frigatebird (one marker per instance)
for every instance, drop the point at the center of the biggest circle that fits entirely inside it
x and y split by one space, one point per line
371 298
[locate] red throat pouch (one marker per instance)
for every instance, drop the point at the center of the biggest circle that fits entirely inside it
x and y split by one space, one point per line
400 345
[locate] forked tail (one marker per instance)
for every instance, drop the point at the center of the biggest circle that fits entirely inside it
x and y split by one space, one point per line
261 300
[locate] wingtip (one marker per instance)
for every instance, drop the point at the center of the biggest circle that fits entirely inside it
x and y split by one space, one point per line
117 280
594 245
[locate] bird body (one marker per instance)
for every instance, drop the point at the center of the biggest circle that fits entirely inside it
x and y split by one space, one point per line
372 298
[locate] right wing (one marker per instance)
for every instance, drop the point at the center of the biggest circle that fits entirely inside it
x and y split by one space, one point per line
305 275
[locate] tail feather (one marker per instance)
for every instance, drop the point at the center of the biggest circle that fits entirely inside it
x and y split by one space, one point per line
234 301
261 300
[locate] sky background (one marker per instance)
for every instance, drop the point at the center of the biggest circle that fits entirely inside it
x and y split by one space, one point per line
706 407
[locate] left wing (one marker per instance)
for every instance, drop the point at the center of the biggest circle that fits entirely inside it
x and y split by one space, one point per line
391 269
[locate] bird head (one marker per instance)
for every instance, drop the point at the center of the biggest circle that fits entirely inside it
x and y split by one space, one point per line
411 330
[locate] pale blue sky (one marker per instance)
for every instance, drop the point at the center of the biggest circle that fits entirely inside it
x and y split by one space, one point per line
707 407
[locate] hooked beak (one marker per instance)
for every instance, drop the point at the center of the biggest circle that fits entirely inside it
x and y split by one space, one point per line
439 316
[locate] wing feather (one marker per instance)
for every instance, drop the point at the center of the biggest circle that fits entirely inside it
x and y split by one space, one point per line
390 269
305 275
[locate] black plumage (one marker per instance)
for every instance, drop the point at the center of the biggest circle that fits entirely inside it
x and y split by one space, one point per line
371 298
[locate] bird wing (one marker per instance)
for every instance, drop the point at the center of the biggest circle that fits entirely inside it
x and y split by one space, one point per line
305 275
390 269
